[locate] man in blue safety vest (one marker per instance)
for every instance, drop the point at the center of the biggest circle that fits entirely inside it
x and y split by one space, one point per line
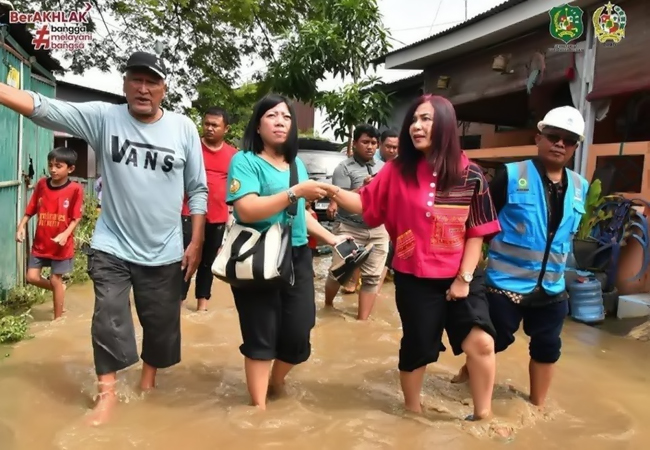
540 204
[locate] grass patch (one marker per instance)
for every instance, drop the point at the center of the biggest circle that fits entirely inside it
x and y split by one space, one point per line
16 307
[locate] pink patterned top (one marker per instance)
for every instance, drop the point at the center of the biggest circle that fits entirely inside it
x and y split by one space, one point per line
428 228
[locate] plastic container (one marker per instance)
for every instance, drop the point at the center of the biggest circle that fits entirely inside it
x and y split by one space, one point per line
586 300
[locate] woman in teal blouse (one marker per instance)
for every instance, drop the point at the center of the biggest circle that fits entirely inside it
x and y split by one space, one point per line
275 324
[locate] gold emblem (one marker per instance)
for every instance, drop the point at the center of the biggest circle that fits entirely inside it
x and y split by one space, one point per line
235 185
609 23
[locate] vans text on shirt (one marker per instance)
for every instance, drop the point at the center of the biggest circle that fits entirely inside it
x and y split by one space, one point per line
146 170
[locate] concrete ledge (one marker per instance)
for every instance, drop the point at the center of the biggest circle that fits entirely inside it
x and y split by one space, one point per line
633 305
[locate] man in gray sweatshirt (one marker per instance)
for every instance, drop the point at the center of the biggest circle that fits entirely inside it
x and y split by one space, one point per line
149 158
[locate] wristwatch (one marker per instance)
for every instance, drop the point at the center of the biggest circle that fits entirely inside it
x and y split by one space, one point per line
467 277
292 196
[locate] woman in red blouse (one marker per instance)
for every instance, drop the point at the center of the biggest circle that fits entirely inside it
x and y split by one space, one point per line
437 209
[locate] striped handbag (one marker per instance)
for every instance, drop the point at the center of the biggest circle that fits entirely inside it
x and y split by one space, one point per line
250 258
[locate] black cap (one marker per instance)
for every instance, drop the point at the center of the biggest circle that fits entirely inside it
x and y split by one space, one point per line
147 61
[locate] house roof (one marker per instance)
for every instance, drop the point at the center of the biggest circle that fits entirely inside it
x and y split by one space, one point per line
506 21
402 83
23 37
507 4
91 90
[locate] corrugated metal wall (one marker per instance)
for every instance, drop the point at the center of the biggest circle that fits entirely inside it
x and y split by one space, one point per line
36 143
9 182
88 184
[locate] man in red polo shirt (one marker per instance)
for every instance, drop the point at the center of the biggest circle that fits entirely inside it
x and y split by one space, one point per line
216 157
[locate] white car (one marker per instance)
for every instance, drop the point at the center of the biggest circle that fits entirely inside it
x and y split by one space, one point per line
321 158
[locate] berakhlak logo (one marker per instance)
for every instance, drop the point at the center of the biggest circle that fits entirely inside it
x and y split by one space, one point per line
128 153
51 16
566 23
57 30
42 38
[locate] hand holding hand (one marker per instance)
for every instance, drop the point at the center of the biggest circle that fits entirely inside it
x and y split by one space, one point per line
331 190
310 190
458 290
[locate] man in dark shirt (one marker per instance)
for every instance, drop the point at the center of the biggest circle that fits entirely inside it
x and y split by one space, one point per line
526 262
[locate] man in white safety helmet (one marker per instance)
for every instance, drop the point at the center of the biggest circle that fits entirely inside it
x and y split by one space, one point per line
539 203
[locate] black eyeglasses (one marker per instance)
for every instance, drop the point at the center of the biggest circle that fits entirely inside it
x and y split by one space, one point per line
555 138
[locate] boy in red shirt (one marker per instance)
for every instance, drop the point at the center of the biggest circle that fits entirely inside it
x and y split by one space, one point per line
58 203
216 157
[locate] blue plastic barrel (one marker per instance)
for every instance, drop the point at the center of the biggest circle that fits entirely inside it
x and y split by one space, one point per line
586 300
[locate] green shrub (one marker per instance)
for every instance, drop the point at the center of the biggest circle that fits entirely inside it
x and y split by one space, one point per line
82 237
13 328
14 311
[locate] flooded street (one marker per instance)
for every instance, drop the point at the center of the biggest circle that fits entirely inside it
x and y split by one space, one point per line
346 396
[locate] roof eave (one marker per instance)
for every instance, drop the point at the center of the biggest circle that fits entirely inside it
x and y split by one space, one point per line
92 90
496 25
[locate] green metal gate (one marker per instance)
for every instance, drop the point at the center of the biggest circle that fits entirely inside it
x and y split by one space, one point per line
10 182
38 141
20 139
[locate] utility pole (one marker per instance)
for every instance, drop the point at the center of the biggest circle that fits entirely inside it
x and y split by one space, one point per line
465 10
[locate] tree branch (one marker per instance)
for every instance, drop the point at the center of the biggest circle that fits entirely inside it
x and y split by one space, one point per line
101 15
266 36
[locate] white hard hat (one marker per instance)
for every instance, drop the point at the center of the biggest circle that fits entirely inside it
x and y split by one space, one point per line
565 118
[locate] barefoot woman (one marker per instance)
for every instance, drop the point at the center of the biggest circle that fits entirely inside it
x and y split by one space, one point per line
275 323
437 209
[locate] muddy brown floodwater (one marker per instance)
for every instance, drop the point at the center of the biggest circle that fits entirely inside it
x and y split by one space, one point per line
346 397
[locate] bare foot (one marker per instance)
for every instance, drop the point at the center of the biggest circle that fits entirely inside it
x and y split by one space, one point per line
462 376
413 409
103 409
502 431
260 407
277 390
481 415
202 305
539 406
148 377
